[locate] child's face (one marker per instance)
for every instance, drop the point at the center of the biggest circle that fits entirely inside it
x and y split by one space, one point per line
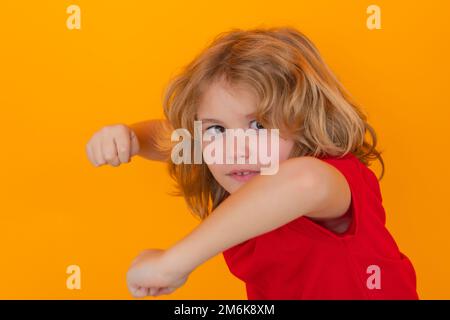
233 108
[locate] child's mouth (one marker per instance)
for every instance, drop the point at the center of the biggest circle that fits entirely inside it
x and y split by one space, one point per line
243 175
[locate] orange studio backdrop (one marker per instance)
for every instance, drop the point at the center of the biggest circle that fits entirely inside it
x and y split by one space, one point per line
63 77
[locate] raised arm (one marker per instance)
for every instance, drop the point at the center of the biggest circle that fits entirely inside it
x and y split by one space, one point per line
147 133
302 186
118 143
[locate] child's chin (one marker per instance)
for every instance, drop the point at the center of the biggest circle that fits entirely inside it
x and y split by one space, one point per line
235 187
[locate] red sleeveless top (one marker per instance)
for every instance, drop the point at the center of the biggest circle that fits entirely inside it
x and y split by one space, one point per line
304 260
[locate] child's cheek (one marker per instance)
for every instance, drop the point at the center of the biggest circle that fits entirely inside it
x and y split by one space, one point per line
219 175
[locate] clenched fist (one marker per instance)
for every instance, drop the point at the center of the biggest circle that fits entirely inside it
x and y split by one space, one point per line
149 275
114 145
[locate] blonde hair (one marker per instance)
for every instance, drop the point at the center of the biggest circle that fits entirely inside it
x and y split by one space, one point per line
297 93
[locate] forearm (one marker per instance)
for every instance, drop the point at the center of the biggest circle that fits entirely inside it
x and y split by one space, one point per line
147 133
261 205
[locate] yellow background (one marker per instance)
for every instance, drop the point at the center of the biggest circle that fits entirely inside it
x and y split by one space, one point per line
59 86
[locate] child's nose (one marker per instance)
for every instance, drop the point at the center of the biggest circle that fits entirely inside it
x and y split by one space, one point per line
240 150
243 151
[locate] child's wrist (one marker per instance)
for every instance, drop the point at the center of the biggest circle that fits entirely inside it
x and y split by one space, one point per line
175 265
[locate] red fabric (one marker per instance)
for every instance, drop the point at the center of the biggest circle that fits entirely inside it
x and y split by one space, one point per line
304 260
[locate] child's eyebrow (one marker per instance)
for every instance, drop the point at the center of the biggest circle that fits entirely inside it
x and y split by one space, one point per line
210 120
251 115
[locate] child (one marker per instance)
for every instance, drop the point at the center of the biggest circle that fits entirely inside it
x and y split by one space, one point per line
316 228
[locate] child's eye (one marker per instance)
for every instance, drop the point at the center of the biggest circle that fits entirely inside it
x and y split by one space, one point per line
256 124
216 129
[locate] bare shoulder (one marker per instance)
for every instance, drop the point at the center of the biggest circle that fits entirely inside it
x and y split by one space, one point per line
326 179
